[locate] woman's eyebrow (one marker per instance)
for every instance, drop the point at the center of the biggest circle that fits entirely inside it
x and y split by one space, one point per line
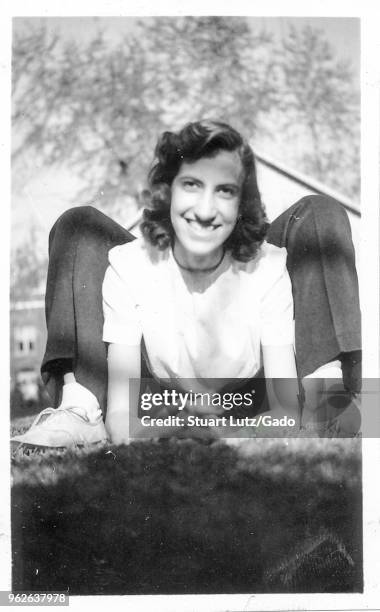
230 184
190 176
227 183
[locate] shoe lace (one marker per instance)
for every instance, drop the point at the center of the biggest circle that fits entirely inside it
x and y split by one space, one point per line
53 412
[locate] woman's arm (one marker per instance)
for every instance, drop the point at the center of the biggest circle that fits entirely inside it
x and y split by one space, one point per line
281 380
277 335
124 364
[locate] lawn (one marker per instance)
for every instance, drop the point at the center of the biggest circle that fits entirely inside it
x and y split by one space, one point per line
187 516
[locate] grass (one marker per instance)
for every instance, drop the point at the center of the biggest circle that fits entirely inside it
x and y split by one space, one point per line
187 516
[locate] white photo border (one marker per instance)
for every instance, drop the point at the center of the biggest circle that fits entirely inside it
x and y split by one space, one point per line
369 275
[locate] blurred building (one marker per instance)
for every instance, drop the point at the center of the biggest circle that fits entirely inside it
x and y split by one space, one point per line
27 344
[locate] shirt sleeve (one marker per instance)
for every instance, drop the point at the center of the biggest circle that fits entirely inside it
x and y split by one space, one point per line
122 324
276 308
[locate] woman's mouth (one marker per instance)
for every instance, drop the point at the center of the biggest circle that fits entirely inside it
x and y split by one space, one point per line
201 228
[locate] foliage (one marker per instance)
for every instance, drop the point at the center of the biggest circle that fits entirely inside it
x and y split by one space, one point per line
82 105
210 67
99 106
28 270
320 106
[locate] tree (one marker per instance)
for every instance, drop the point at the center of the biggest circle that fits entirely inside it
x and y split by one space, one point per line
100 107
82 105
320 108
28 270
211 67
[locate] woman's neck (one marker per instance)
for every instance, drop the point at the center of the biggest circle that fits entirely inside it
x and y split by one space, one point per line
197 263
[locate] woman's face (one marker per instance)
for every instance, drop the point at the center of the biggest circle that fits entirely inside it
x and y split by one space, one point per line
204 207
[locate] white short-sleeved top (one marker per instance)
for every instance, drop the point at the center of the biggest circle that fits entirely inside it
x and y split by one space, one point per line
202 325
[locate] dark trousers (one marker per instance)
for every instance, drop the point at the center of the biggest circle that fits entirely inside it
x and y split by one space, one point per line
321 263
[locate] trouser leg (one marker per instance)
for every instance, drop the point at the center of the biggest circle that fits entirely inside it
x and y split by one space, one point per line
321 263
78 257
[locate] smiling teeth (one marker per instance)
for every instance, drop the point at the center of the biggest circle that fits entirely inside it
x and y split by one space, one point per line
205 228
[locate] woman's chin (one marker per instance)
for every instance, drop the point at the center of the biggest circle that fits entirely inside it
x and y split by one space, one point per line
192 254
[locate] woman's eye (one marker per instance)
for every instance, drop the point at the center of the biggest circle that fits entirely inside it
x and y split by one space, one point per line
190 185
228 191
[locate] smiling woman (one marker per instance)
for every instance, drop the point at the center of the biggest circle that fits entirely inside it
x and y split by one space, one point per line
201 299
204 209
210 170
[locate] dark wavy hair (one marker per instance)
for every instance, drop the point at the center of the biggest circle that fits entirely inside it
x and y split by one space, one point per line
191 143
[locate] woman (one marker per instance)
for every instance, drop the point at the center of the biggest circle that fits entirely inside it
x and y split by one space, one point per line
201 296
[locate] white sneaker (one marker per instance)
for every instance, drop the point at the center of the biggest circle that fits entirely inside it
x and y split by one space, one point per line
63 427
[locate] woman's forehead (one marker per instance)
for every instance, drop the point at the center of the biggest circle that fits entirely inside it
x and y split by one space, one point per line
225 166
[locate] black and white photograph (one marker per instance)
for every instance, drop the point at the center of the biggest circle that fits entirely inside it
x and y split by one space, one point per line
188 310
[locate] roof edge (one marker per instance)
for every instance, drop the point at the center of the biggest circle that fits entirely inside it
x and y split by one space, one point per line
307 182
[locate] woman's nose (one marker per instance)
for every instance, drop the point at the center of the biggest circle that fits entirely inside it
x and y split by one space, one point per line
205 206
